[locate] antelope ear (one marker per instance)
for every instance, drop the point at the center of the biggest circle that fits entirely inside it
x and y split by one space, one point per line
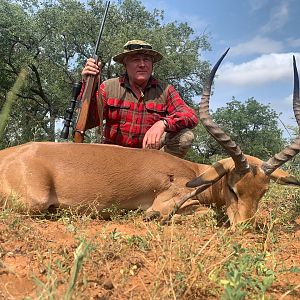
210 175
283 177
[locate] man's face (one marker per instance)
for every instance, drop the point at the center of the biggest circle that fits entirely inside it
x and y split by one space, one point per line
139 68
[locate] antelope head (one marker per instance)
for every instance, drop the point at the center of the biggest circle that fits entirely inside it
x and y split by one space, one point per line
245 178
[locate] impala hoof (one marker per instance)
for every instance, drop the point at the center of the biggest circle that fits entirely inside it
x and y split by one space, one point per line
151 215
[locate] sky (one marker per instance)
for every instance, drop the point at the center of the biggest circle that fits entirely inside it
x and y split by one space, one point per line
263 36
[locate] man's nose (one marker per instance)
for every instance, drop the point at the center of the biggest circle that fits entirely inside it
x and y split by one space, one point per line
142 62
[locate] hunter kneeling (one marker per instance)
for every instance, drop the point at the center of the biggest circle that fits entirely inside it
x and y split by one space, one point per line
140 111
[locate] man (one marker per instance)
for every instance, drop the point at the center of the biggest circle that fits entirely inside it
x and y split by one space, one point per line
139 111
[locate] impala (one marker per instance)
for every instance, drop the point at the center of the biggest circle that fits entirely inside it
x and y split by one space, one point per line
44 175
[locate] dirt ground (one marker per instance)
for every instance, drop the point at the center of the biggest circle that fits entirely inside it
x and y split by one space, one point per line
127 258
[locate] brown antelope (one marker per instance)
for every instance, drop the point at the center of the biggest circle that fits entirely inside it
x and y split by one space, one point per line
90 176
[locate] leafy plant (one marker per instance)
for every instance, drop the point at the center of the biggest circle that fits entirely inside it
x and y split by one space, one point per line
141 243
244 273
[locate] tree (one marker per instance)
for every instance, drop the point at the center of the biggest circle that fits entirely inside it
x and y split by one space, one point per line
54 39
252 125
293 165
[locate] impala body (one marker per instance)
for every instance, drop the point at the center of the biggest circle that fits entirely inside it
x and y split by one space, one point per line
44 175
70 175
90 176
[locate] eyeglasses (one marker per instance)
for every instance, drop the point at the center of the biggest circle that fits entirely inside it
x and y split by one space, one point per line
137 46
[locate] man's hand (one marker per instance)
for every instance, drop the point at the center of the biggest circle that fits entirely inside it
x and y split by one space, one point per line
90 68
152 137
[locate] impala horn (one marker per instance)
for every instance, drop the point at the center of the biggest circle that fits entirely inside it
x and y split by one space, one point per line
291 150
240 161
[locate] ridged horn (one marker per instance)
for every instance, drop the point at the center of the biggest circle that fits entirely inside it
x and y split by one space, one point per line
291 150
240 161
296 105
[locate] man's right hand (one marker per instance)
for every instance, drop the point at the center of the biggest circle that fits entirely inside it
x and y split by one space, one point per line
90 68
153 135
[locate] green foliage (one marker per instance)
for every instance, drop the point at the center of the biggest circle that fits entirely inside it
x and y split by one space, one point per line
204 146
252 125
244 273
139 242
54 39
115 235
293 165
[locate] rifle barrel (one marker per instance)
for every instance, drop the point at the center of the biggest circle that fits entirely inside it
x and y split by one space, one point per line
101 27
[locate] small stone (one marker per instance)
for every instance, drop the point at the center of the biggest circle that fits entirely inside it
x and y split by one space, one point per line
108 285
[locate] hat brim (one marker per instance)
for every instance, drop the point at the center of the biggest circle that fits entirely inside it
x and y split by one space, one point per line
119 58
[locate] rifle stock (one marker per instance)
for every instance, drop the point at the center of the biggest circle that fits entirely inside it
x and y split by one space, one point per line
90 88
89 91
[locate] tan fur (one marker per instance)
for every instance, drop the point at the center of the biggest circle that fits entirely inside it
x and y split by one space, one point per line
91 176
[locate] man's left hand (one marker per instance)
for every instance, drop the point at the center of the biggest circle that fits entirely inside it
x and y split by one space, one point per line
152 137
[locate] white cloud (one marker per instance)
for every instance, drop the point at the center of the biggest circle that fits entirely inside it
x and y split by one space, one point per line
264 69
258 45
264 45
279 17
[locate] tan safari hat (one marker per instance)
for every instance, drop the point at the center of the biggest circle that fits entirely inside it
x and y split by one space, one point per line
137 46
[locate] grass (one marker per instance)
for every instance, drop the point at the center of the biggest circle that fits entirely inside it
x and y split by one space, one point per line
68 256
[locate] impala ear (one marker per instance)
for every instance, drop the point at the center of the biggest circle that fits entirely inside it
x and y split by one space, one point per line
283 177
210 175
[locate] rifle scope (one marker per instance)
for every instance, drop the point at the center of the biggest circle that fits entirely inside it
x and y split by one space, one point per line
70 110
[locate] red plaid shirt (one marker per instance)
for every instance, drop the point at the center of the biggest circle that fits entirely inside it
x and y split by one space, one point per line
127 118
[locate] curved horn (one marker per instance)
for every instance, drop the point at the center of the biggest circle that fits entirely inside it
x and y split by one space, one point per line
296 105
291 150
240 161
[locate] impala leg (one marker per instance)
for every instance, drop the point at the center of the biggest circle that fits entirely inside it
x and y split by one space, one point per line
38 191
164 205
151 215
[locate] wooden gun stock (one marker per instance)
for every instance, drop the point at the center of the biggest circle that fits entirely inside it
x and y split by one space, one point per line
89 91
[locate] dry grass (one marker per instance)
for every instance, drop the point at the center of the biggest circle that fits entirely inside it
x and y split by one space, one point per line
66 256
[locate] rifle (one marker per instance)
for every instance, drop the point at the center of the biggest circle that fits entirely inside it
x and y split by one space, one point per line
89 90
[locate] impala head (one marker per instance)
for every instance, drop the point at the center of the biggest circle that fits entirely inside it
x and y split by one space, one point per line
246 178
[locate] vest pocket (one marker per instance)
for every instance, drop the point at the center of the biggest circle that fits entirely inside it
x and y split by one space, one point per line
118 110
155 112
